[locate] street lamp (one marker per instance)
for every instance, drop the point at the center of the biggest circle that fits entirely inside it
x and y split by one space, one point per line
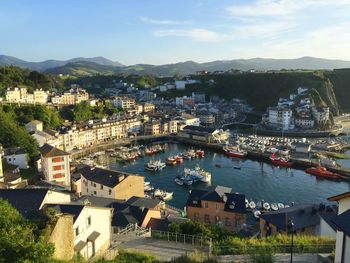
290 227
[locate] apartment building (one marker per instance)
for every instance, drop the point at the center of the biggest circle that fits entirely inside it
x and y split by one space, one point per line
40 96
124 102
281 118
110 184
55 165
320 114
218 206
148 107
20 94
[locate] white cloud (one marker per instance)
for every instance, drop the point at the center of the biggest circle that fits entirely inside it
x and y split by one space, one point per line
164 22
197 34
264 29
280 7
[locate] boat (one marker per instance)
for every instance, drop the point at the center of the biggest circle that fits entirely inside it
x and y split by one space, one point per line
198 174
266 206
179 181
234 151
252 205
257 214
163 194
218 165
154 165
274 207
171 160
280 206
281 161
322 172
179 159
200 153
246 203
237 167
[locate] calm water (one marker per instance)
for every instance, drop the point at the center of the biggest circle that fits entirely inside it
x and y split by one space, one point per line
256 180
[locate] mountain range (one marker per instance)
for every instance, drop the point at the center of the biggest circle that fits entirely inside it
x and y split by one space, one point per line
100 65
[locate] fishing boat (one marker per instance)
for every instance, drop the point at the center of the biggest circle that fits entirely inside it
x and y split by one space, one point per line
200 153
163 194
322 172
198 174
280 206
179 181
179 159
266 206
154 165
234 151
274 207
281 161
252 205
237 167
171 160
257 214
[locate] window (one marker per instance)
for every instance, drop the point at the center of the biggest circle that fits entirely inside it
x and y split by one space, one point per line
58 175
206 204
76 231
109 191
206 219
89 221
94 185
101 186
95 192
227 221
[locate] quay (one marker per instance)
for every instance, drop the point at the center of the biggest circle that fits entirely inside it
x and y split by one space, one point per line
299 162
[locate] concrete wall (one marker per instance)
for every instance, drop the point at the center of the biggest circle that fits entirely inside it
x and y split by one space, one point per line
21 160
132 185
326 230
53 197
150 214
62 238
344 205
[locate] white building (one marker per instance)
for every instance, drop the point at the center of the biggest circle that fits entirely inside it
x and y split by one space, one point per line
342 221
17 156
123 102
92 228
281 118
55 165
180 84
302 90
304 123
34 125
320 114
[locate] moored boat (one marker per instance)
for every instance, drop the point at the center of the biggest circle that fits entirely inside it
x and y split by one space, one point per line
200 153
171 160
234 151
322 172
257 214
281 161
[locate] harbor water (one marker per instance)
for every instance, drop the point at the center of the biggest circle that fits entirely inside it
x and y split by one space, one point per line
257 180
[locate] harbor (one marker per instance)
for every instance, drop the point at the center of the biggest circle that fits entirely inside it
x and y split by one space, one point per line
256 179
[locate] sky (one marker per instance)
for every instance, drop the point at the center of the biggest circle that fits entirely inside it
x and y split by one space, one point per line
170 31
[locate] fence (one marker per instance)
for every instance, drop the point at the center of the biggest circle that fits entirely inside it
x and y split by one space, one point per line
198 241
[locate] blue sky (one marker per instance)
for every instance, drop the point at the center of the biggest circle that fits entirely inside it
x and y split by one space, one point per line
168 31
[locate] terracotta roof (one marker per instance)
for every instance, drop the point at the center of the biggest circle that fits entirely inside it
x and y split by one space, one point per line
49 151
338 197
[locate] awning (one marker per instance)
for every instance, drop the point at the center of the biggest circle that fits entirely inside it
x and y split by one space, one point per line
79 246
93 236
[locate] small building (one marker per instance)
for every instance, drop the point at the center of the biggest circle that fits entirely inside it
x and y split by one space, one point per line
55 165
110 184
305 218
304 123
203 134
152 127
92 231
342 221
34 126
218 206
17 156
281 118
10 177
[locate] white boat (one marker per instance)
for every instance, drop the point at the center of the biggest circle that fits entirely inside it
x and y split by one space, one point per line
179 181
280 206
266 206
198 174
246 203
163 194
257 214
252 205
155 165
274 207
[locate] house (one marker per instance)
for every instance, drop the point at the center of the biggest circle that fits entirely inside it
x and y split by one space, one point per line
342 222
92 232
17 156
281 118
10 177
29 201
46 136
110 184
55 165
203 134
34 126
306 220
218 206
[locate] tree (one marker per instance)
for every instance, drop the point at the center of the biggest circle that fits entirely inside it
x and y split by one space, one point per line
19 241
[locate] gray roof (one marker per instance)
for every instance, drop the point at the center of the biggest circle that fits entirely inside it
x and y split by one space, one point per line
342 222
98 201
143 202
49 151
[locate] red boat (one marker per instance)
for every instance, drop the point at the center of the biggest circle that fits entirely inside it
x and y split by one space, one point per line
200 153
323 172
281 161
179 159
234 151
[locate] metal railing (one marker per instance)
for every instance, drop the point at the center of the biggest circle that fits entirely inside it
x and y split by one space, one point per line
199 241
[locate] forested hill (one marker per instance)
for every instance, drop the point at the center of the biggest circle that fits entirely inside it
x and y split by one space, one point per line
262 90
13 76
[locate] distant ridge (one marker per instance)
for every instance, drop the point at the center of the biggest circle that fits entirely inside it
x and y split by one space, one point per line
101 65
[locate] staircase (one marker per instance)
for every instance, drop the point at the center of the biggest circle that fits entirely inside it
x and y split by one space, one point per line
129 233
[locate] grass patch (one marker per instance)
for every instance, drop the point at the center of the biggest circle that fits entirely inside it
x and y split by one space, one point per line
336 155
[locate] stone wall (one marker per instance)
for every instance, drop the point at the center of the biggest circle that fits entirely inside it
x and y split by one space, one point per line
62 237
